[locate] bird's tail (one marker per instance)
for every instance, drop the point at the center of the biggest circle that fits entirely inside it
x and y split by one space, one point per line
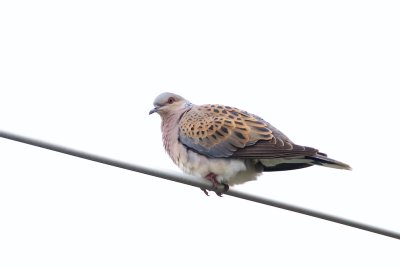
322 160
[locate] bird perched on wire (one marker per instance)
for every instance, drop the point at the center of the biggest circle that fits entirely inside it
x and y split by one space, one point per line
226 145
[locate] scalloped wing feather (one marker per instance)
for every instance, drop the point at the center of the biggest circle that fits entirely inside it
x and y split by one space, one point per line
221 131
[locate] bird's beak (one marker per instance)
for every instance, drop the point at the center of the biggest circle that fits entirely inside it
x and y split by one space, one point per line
153 110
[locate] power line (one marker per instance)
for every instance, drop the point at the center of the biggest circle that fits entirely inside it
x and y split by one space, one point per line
189 180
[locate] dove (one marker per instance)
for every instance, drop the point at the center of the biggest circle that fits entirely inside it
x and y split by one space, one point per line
228 146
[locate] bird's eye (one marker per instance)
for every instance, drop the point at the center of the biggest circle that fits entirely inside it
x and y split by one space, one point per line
171 100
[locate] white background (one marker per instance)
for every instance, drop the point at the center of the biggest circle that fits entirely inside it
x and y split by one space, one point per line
84 74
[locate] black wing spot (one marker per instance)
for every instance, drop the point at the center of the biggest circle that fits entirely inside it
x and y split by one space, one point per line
224 129
262 129
240 135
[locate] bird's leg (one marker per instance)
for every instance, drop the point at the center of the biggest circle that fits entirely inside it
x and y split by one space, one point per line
212 178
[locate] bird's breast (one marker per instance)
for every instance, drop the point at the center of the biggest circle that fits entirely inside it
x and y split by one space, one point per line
230 171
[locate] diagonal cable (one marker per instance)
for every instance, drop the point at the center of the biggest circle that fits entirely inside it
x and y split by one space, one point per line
189 180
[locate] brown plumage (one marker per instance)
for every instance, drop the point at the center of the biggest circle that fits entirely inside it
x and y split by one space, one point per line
229 144
223 131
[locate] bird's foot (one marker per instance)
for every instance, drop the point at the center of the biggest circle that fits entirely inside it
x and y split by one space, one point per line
226 188
205 191
215 184
212 177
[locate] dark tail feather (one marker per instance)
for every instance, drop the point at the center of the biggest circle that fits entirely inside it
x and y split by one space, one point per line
285 167
322 160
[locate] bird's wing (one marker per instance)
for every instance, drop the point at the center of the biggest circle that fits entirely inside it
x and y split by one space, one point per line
221 131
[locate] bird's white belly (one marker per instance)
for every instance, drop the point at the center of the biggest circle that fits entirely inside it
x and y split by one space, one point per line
229 171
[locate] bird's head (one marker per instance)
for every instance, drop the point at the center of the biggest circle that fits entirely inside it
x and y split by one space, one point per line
168 103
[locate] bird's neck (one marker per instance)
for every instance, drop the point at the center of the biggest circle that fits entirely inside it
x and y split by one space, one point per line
170 132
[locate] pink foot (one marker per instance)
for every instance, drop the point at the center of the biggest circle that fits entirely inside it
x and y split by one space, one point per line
212 178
